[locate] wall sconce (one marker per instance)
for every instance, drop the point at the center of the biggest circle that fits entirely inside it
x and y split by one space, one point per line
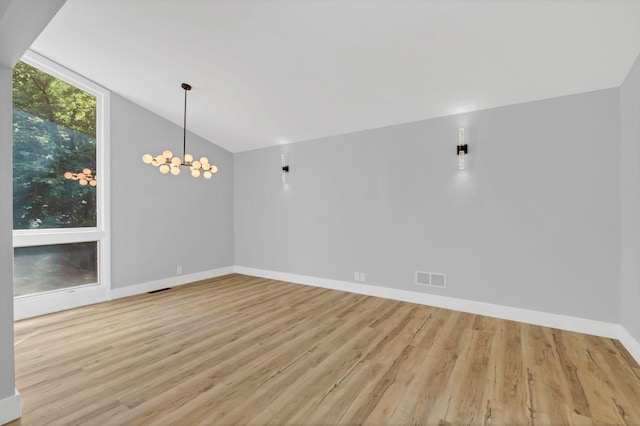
461 149
285 168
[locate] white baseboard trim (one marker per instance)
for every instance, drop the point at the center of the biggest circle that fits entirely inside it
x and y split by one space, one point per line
630 343
10 408
132 290
563 322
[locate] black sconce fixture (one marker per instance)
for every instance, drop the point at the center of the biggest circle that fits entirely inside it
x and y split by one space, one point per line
461 149
285 168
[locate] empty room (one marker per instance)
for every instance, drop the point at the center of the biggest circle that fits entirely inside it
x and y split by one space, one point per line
319 212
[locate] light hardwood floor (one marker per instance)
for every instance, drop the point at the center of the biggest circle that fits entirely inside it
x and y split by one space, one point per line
244 350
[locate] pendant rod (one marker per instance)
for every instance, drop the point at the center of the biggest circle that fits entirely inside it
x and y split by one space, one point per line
186 87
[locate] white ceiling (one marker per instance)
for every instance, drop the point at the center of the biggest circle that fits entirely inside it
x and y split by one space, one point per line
268 72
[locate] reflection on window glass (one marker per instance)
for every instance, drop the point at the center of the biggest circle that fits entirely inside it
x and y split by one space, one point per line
46 268
54 131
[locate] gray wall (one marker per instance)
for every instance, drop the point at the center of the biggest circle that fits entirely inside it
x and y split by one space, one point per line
630 191
161 221
20 23
532 223
7 383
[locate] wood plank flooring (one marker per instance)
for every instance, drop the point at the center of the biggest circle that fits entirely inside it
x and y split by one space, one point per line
250 351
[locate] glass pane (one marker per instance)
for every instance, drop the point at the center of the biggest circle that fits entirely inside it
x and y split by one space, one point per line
54 132
46 268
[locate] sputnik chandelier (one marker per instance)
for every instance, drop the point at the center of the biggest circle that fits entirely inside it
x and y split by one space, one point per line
84 177
170 164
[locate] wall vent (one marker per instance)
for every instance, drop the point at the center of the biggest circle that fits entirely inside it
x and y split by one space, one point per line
431 279
158 291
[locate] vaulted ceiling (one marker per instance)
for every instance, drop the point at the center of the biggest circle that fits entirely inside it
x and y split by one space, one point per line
268 72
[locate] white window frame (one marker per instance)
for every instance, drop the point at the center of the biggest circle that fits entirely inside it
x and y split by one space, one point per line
43 303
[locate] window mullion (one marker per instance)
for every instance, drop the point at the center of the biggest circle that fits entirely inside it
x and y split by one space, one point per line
44 238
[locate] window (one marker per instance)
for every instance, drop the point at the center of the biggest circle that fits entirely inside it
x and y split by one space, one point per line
39 269
54 132
60 180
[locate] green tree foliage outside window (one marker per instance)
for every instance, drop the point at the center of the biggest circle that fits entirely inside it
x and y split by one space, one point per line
54 131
